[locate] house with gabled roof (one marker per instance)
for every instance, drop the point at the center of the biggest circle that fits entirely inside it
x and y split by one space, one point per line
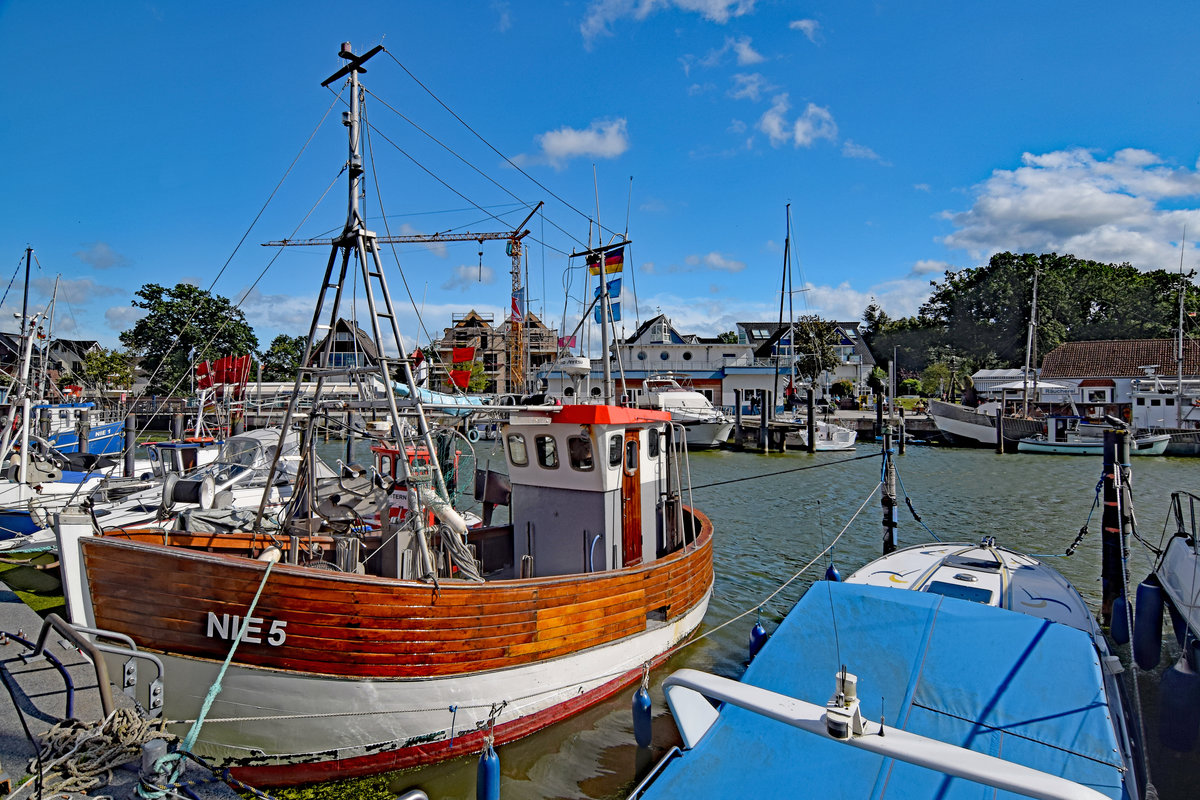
1136 379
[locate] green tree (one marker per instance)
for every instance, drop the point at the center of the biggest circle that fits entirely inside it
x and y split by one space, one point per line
479 379
877 380
843 388
184 325
910 386
728 337
813 343
105 368
282 360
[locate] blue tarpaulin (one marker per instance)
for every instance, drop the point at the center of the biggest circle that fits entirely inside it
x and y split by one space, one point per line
1000 682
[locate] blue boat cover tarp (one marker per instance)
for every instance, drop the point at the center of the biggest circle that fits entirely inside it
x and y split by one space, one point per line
468 402
996 681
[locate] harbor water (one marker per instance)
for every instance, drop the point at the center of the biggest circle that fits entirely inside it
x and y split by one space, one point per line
772 515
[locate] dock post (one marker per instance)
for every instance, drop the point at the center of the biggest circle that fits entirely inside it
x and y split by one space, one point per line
764 416
810 407
878 415
350 436
900 445
83 430
739 436
177 426
888 499
999 431
130 443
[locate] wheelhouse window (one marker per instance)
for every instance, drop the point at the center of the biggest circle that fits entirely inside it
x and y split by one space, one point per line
547 451
614 451
631 457
518 455
579 448
653 445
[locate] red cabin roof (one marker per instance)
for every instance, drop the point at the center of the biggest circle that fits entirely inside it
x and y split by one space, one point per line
584 414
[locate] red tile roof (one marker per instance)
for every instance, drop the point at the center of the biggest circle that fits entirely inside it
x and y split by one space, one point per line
1119 358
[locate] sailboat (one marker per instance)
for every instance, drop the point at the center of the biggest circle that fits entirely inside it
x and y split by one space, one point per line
827 435
354 647
978 426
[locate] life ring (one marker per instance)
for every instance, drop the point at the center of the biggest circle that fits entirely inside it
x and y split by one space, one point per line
200 439
473 435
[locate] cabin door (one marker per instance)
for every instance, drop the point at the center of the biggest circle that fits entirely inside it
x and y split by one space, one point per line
631 501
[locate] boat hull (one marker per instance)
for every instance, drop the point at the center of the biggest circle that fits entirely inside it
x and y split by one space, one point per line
701 435
963 426
1150 446
344 675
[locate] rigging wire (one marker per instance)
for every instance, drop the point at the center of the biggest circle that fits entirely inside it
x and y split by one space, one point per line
507 160
785 471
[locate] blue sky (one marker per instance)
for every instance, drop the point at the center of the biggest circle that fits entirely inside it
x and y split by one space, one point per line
141 141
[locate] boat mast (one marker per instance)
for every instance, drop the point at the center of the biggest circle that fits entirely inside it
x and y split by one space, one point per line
1030 349
1179 337
361 244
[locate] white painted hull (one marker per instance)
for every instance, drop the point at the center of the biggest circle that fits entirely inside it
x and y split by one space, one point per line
1150 446
707 434
1179 573
278 717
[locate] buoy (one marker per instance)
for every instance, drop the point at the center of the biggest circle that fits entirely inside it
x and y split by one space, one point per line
473 435
832 574
758 637
641 717
1147 624
1119 629
1179 725
487 775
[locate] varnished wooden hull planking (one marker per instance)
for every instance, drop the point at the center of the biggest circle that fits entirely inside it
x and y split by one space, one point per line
356 646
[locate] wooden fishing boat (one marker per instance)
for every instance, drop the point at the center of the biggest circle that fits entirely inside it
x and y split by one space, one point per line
331 645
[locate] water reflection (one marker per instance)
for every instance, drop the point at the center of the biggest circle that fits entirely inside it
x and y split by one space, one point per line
767 529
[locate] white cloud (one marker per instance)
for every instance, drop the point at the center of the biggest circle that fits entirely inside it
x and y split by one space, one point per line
749 86
100 255
1070 201
601 139
922 187
815 123
77 292
601 14
930 267
503 15
851 149
466 276
120 318
808 27
710 261
746 55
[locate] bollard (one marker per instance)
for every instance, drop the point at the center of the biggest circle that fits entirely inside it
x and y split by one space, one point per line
130 443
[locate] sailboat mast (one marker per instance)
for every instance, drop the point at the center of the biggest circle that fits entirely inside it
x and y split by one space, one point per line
1030 347
1179 337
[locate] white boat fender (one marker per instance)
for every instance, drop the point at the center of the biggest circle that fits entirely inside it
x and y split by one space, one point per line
1148 624
272 555
443 510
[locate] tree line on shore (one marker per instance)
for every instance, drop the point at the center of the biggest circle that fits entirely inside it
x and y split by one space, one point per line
974 318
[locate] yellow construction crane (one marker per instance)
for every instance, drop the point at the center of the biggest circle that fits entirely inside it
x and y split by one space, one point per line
516 328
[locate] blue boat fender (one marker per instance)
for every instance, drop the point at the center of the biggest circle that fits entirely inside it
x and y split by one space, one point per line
642 729
487 775
1148 624
758 637
1119 629
832 574
1179 725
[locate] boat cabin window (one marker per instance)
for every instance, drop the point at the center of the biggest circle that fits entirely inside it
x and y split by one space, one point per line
579 448
631 457
614 451
974 594
595 391
547 451
652 443
386 467
518 456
